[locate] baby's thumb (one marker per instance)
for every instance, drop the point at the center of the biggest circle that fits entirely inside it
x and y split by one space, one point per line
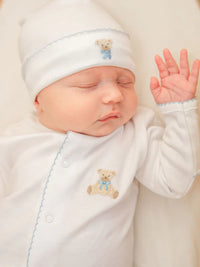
154 83
155 87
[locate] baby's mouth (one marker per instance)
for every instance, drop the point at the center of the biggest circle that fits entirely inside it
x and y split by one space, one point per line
110 116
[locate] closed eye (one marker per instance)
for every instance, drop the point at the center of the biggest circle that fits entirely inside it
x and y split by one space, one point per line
126 80
87 86
125 83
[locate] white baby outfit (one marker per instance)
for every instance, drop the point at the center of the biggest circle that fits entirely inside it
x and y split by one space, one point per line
48 218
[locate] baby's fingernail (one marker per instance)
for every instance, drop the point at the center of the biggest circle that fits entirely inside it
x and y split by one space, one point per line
184 50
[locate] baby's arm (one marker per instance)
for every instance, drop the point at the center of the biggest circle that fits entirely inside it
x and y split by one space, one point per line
171 159
176 84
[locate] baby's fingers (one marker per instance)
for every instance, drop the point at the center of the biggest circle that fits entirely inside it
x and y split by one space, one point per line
170 62
184 65
193 78
163 71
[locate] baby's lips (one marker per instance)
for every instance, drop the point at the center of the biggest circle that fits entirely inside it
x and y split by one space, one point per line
114 115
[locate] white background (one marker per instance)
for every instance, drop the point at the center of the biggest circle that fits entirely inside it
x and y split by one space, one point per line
166 231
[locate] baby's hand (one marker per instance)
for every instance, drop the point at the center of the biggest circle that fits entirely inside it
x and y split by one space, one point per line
176 84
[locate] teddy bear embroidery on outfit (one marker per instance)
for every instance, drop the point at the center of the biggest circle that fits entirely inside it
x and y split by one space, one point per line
105 46
104 186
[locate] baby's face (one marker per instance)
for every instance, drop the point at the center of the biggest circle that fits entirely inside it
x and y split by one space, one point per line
94 101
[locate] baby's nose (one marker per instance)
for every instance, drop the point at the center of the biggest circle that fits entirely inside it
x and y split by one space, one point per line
112 93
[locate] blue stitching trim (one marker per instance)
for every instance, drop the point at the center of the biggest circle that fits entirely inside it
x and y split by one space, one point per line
177 102
43 199
70 36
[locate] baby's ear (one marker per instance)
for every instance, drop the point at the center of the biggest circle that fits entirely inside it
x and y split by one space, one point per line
113 173
110 41
37 105
99 170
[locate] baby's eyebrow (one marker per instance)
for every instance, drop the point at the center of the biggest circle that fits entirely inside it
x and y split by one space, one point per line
79 78
126 76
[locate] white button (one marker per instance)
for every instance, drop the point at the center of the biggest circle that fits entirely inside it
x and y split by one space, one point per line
65 162
49 218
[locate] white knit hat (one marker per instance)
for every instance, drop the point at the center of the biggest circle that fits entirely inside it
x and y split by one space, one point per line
67 36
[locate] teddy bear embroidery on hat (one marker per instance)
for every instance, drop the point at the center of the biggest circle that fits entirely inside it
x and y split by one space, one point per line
105 46
104 186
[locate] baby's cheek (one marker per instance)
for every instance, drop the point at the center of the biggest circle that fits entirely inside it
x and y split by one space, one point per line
133 104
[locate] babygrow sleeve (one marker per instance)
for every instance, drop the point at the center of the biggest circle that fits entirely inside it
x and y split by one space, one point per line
171 154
